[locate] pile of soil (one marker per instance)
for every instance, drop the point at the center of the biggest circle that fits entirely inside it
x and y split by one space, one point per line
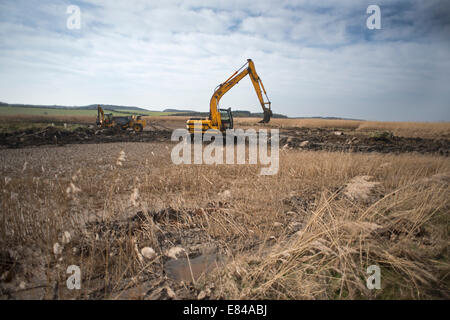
54 136
331 140
293 138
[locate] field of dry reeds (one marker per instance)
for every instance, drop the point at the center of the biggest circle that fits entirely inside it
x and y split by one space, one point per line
140 227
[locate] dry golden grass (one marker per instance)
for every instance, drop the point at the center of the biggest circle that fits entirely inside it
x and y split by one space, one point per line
404 231
295 123
402 227
404 129
409 129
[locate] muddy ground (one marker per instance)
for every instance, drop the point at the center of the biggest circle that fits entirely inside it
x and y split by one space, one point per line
54 136
184 253
383 142
293 138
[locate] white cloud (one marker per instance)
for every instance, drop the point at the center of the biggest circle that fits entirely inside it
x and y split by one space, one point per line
313 60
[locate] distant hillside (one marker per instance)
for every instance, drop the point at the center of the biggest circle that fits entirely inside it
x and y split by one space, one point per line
117 109
178 110
89 110
88 107
327 118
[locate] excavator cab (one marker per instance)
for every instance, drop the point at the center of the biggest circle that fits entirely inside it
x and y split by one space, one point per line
227 118
102 118
108 118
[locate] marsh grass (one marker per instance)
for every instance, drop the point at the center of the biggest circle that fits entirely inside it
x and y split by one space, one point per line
403 227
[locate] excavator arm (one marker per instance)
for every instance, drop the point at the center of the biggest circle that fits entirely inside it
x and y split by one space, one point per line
231 82
100 116
258 85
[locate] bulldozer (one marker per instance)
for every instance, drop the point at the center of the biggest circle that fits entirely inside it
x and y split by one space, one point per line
222 119
108 121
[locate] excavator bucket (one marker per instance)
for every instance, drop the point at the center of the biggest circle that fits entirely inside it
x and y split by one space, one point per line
267 116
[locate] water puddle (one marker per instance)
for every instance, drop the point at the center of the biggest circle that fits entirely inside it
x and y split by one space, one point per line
186 270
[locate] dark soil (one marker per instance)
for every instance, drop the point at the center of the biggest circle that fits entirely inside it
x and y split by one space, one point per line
295 138
54 136
328 140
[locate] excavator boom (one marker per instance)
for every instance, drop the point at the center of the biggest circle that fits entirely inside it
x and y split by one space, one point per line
100 116
231 82
215 119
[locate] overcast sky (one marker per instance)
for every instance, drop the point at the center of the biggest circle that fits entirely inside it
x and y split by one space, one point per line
316 58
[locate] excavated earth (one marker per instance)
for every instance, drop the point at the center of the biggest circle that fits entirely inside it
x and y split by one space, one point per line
331 140
294 138
53 136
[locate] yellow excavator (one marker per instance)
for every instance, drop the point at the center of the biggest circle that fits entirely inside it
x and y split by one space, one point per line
222 119
108 121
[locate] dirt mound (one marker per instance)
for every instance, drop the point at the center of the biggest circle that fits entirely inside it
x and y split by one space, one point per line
361 188
55 136
292 138
384 142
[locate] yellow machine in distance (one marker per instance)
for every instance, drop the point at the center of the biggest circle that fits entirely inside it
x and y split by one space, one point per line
222 119
108 121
